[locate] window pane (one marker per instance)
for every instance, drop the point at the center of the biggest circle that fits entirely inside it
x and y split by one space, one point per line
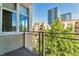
9 21
23 10
23 23
9 5
13 21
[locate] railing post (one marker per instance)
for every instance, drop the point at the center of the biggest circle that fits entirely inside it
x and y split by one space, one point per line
39 43
43 44
24 40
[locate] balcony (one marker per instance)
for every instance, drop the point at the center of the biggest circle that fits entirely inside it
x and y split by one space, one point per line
16 44
40 44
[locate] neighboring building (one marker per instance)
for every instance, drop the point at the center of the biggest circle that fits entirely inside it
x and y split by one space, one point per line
52 15
46 26
40 26
15 18
36 27
73 23
66 16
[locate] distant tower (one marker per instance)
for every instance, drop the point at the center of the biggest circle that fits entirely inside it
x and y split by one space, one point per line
66 16
52 14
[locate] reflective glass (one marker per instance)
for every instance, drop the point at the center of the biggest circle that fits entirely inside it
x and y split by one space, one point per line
9 5
23 23
9 21
23 10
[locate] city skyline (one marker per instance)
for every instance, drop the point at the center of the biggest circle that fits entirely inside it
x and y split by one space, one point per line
40 10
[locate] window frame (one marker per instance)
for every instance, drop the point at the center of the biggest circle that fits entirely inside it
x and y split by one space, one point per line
16 20
27 16
10 10
26 11
17 13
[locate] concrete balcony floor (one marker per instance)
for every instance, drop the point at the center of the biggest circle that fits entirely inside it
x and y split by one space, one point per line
20 52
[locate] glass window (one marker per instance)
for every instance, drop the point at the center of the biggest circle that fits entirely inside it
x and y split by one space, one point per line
9 21
9 5
23 10
23 23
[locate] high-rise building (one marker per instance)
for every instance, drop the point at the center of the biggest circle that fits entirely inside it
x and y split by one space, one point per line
66 16
52 15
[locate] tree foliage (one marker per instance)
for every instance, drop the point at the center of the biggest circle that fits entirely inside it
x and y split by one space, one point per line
60 44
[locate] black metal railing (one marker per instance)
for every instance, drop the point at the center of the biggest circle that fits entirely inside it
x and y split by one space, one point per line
41 46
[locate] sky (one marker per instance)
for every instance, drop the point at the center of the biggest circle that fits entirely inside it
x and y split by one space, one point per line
40 10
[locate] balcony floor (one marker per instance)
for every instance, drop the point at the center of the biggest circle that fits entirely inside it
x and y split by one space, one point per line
20 52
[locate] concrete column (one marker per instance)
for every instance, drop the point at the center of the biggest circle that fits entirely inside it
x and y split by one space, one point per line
28 40
17 17
0 17
30 17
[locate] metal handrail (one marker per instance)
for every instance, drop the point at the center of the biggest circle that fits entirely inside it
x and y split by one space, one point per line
54 37
54 32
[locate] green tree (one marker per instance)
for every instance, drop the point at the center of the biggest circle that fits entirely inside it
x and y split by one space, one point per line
56 44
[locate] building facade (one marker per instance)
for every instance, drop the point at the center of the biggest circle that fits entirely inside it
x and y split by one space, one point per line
52 15
15 19
66 16
73 23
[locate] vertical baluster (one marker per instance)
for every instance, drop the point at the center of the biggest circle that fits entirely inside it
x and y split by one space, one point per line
39 42
43 44
24 40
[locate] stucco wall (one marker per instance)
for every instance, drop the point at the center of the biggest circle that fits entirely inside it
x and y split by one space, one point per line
28 40
10 42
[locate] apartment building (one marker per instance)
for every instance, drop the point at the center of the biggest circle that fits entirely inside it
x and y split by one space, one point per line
73 23
40 26
15 19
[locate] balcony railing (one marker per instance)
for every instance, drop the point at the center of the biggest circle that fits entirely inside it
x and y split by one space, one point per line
58 44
